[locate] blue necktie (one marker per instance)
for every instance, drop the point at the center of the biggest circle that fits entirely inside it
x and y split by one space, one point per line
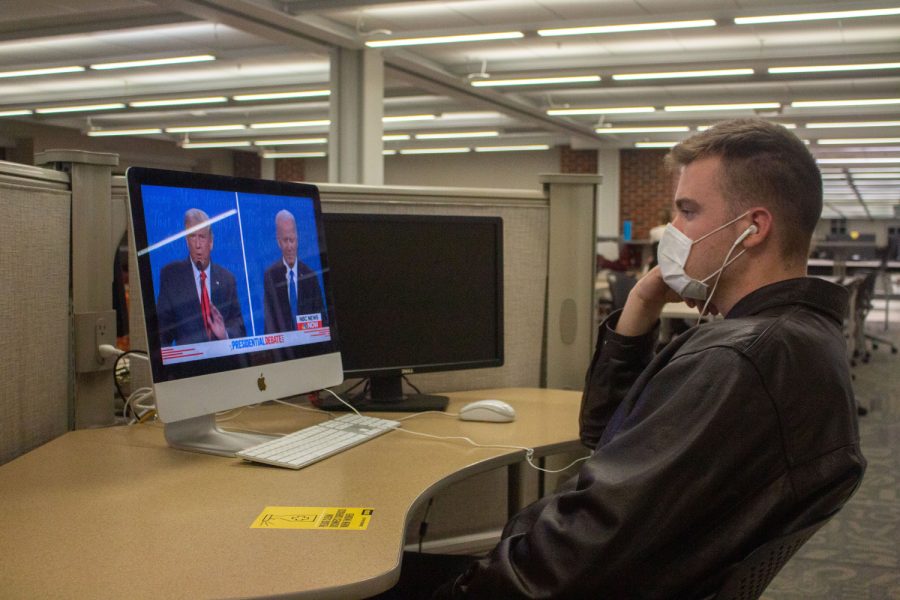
292 295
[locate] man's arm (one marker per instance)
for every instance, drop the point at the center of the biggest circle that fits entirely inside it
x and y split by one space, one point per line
165 308
231 308
270 299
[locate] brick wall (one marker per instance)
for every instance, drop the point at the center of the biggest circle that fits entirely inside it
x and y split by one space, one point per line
246 164
290 169
577 161
645 189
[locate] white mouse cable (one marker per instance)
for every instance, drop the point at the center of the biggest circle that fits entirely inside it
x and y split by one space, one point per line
529 452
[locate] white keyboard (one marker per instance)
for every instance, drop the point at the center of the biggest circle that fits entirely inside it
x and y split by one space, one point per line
306 446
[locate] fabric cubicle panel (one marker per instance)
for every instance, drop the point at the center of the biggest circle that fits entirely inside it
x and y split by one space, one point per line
35 369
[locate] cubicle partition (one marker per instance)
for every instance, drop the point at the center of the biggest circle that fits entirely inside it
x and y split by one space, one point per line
35 396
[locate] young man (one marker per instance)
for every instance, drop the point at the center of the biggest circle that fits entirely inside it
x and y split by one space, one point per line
739 431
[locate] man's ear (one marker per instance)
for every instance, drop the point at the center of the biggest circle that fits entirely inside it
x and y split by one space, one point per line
761 221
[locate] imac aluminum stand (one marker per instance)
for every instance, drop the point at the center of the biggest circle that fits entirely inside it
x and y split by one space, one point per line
201 434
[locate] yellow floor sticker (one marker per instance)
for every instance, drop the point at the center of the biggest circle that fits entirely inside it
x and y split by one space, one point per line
314 517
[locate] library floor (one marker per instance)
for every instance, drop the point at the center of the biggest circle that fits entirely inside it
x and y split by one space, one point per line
856 556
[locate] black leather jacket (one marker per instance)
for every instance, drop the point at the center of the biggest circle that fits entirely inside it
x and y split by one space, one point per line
738 431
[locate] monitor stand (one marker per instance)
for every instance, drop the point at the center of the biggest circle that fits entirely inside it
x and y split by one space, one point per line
386 395
201 434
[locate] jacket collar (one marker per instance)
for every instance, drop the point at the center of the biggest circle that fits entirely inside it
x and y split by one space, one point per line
815 293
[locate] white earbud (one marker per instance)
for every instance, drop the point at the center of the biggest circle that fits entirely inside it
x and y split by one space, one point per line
747 233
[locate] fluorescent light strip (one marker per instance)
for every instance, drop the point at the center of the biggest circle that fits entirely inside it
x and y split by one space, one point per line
435 150
281 95
682 74
857 161
861 174
654 144
294 154
455 135
660 129
83 108
829 68
736 106
388 152
37 72
287 124
626 28
403 118
833 176
850 124
178 102
197 128
446 39
827 103
618 110
114 132
15 113
153 62
189 145
842 14
523 148
395 137
785 125
837 141
291 142
535 81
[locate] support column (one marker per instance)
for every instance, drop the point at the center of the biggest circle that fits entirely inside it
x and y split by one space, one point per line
92 252
570 280
357 106
267 168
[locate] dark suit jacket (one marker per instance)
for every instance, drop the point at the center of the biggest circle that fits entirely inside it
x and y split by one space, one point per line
277 305
178 307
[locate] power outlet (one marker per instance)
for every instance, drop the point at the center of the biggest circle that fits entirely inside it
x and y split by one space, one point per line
91 330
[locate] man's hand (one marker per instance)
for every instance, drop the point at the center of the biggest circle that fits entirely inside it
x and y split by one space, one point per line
217 323
645 303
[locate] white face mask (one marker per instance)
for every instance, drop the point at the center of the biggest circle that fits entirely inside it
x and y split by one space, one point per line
672 254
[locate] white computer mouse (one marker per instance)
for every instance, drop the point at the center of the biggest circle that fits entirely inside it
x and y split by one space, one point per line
494 411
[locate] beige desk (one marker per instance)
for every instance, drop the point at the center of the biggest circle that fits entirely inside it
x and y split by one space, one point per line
114 513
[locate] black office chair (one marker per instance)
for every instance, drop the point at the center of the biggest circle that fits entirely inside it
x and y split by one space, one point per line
748 579
864 304
619 286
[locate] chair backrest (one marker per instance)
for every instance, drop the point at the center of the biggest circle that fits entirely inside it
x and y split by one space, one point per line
749 578
619 286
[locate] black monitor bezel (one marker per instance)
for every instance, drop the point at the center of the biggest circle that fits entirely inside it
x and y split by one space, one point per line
138 176
409 369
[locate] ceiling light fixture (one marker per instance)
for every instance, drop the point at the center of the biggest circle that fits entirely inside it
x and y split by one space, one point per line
857 161
734 106
829 68
153 62
522 148
435 151
178 102
291 142
15 113
600 29
828 103
293 154
654 144
281 95
388 152
682 74
456 135
288 124
36 72
395 137
403 118
535 81
616 110
114 132
654 129
446 39
224 144
199 128
851 124
838 141
785 125
82 108
841 14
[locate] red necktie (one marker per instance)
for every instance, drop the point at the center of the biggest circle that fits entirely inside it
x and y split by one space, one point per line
204 306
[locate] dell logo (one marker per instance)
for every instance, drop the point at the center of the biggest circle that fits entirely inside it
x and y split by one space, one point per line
261 382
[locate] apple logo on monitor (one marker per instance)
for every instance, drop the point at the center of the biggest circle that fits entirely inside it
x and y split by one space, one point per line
261 382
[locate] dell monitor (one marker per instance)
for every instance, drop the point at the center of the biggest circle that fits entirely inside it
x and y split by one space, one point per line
414 294
237 301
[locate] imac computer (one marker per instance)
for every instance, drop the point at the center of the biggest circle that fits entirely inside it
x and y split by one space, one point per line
235 287
414 294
